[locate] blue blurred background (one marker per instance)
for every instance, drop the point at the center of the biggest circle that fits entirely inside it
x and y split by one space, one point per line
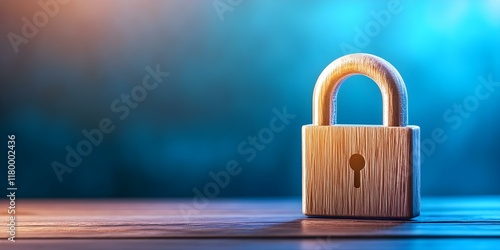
232 66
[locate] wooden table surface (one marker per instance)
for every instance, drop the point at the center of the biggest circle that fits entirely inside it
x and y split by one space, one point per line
445 223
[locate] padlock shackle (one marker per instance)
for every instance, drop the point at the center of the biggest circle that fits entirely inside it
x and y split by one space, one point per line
388 79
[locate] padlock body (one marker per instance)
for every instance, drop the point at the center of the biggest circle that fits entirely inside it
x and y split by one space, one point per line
389 182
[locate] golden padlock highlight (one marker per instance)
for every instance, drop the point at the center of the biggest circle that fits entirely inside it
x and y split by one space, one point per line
360 170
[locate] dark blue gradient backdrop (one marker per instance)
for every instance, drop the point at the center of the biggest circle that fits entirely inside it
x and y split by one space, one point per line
232 70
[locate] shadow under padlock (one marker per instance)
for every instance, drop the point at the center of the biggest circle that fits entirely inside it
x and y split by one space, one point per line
359 170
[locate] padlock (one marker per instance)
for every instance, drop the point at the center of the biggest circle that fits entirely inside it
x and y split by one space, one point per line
359 170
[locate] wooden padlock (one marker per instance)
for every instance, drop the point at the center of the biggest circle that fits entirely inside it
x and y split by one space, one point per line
356 170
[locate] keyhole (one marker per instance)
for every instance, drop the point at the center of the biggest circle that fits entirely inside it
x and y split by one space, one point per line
357 163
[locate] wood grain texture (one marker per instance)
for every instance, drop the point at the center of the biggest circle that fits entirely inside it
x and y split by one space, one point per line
389 186
441 217
389 181
388 79
253 244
